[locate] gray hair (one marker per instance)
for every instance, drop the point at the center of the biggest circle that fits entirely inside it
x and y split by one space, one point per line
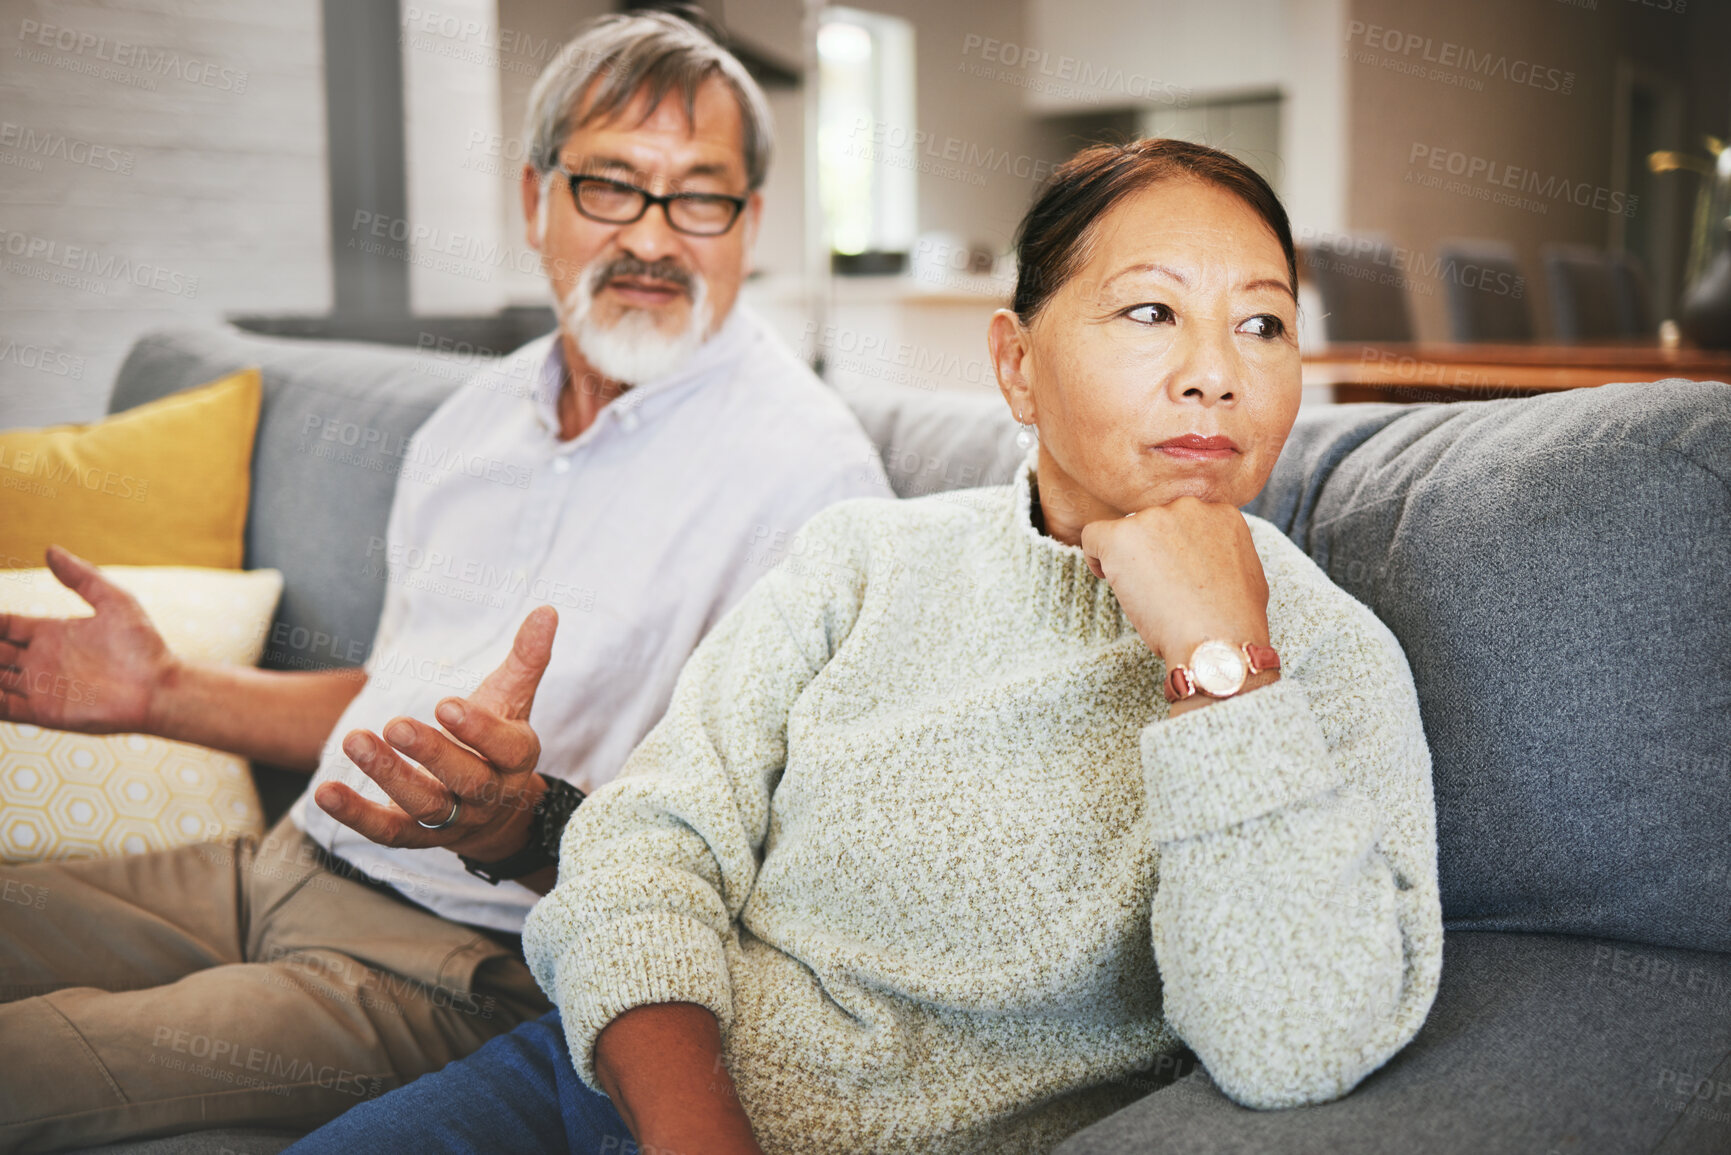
621 56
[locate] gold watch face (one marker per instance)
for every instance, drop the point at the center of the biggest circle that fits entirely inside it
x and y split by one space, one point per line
1218 669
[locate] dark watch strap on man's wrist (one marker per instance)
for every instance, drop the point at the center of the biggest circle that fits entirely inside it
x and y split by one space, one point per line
558 802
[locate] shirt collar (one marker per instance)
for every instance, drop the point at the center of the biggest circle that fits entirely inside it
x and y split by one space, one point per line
548 381
713 359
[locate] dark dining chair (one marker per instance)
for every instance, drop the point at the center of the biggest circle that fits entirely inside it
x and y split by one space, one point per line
1486 291
1584 295
1634 296
1362 287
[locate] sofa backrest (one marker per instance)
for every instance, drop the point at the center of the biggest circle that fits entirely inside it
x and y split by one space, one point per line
335 420
1558 570
332 428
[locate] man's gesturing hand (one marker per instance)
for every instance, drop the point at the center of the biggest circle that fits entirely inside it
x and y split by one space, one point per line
490 768
97 674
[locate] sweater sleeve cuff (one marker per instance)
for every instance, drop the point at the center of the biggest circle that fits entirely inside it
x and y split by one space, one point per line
1232 761
637 961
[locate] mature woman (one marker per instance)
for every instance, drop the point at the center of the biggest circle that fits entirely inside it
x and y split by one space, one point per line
982 804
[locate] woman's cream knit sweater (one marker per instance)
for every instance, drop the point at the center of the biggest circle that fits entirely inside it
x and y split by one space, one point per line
918 829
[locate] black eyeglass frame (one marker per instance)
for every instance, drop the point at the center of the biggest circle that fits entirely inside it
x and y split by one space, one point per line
648 200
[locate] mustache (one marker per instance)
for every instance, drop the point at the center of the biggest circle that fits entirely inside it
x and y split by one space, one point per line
666 270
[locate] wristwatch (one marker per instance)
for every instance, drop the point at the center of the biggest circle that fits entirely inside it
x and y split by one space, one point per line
1219 669
558 802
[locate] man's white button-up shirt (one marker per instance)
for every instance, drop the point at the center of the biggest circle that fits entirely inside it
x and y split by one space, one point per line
641 531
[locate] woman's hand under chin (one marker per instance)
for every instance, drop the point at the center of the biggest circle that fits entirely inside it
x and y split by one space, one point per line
1184 573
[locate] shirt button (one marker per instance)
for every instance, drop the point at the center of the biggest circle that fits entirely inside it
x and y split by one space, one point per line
628 420
561 465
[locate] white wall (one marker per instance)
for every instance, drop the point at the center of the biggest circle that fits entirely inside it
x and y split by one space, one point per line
1120 52
780 249
1314 125
459 260
159 165
530 35
1154 53
978 156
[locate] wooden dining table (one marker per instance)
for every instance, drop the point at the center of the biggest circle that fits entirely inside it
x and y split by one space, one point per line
1422 371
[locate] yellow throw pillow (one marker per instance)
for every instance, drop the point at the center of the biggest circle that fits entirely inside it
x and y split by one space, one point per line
66 795
163 484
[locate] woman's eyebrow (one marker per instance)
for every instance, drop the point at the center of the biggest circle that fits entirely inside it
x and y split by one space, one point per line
1267 283
1166 271
1171 274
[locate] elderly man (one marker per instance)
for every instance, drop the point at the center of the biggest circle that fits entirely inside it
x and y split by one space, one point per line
371 936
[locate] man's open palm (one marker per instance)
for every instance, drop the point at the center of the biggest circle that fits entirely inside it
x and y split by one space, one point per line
95 674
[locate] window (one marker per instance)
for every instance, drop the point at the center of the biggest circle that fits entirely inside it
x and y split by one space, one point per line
866 148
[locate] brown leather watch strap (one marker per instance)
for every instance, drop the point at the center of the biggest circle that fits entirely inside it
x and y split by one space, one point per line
1179 685
1261 658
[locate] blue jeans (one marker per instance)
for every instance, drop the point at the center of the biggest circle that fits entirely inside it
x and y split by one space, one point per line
518 1093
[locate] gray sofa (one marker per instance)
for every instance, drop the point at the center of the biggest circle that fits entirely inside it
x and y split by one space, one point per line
1559 571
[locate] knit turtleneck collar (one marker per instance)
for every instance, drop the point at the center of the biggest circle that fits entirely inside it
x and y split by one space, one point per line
1062 591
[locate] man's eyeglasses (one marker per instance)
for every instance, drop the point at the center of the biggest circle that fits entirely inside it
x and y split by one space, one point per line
614 202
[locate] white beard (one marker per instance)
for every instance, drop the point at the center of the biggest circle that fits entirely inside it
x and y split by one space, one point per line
632 351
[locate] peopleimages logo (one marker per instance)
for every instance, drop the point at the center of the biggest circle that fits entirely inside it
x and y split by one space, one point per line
96 266
911 147
922 363
42 472
1040 71
1531 188
28 356
1363 258
466 38
56 146
1447 54
432 247
137 57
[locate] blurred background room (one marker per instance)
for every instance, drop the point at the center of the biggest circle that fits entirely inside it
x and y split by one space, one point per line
1491 197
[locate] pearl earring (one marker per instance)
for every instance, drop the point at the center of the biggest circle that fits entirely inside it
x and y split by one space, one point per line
1024 439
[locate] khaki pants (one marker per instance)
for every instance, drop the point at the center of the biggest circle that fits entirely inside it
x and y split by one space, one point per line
227 985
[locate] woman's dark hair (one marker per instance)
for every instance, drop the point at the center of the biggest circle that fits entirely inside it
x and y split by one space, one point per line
1052 241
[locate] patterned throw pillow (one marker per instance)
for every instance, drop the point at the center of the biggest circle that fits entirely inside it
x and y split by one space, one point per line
66 795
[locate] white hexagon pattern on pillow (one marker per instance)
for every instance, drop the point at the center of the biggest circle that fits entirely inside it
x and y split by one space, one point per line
66 795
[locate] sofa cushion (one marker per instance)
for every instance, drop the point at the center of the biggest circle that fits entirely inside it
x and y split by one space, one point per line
1320 440
933 441
1558 570
332 430
1536 1044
